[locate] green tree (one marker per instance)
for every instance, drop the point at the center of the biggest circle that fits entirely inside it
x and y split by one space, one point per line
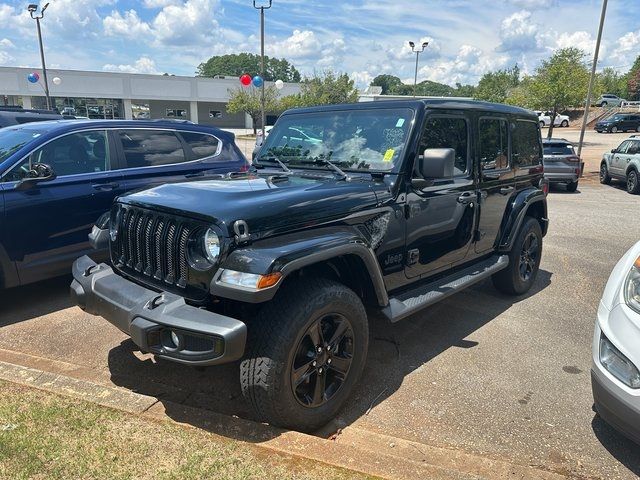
496 86
247 100
465 90
328 88
633 81
559 82
237 64
611 81
389 83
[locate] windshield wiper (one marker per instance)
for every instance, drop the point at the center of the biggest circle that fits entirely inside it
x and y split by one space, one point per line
332 166
278 161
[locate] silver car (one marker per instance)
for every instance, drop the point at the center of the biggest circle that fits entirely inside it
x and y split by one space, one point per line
561 164
609 100
623 163
615 369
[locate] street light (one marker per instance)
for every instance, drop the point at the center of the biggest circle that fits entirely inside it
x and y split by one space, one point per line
262 8
32 9
417 52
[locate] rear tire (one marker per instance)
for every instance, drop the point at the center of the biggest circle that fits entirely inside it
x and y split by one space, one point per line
572 186
541 124
605 179
283 350
564 123
614 129
524 260
633 182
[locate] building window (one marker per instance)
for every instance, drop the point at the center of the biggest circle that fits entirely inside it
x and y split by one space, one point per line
176 113
215 114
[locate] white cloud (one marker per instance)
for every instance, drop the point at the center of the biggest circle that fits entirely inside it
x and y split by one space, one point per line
581 40
6 43
518 33
191 24
142 65
128 25
467 67
403 51
531 4
626 49
159 3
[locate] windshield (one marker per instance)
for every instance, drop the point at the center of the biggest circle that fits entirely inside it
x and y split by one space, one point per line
558 149
13 139
372 139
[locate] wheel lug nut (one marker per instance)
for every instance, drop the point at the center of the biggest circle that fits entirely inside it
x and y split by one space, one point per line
328 360
320 370
314 363
319 349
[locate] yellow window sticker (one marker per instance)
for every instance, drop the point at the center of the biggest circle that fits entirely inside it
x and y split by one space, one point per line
388 155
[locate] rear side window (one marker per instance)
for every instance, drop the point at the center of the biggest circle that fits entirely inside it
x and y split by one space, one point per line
494 144
150 148
201 144
526 149
634 148
447 132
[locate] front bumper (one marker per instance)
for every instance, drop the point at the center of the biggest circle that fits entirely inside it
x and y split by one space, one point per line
613 408
150 317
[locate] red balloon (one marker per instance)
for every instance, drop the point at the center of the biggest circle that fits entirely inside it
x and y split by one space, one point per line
245 80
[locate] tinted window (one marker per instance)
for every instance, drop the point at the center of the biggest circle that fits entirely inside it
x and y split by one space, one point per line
445 132
526 144
494 146
634 148
558 149
148 148
202 145
73 154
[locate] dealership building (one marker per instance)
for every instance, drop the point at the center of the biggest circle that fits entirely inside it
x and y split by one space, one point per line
129 96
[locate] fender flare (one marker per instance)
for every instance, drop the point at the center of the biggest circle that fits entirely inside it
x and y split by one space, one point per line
289 253
515 215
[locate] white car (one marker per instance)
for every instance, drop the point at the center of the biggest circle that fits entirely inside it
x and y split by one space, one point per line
545 119
615 369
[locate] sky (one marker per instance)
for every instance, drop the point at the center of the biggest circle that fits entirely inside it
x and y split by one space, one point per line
363 38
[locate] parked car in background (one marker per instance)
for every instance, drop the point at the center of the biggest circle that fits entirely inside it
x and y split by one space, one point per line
545 119
620 122
58 178
615 370
623 163
18 115
609 100
561 164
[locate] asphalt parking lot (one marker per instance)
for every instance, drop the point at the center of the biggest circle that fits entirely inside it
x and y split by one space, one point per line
481 372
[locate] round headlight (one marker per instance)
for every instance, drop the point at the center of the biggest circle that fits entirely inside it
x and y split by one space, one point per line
211 245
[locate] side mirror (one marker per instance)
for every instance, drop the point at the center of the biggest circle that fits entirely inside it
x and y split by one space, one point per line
40 172
436 163
614 150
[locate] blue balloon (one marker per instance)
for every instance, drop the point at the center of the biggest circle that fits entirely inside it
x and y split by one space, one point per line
257 81
33 77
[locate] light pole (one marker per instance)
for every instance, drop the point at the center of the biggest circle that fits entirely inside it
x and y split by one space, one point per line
33 8
417 52
592 78
262 8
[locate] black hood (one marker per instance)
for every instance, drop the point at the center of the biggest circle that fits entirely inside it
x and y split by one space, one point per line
265 202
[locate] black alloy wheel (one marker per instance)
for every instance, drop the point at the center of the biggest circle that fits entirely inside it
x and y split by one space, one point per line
529 257
605 178
633 184
322 360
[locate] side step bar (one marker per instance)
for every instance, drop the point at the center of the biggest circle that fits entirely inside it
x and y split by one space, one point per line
423 296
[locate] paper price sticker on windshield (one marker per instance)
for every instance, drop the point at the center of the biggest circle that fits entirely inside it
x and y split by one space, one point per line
388 155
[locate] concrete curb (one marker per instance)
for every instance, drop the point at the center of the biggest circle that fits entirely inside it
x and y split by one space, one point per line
354 449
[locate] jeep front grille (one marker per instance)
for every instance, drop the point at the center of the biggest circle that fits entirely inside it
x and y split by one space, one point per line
153 245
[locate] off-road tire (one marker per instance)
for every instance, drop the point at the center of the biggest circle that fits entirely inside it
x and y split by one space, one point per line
508 280
633 182
274 336
605 178
572 186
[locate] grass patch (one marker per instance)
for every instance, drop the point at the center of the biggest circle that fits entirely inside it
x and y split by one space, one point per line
46 436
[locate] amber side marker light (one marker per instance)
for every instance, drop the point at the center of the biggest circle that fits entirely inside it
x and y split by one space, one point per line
270 280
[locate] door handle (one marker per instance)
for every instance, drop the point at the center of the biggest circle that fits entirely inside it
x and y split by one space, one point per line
466 197
105 187
506 190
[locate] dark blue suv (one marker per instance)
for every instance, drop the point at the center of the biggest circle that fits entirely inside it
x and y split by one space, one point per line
57 178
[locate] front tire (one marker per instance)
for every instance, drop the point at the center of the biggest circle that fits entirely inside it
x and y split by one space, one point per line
524 260
605 178
306 351
572 186
633 182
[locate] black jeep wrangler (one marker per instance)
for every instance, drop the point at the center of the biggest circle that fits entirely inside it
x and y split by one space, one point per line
388 206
